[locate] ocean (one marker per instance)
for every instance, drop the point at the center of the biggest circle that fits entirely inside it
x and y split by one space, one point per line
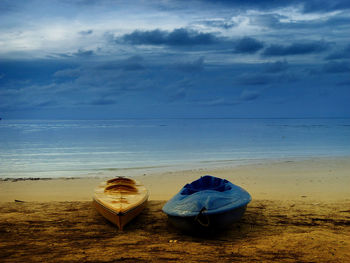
80 148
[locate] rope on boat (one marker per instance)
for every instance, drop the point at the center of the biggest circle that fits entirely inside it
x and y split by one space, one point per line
199 218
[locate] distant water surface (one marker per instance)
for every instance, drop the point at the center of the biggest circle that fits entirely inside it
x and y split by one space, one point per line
65 148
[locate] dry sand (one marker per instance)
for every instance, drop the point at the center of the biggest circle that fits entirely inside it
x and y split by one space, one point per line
300 213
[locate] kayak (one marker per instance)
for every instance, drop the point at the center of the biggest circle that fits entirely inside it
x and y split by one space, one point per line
207 203
120 200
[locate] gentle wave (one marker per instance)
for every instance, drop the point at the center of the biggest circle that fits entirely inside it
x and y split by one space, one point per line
51 148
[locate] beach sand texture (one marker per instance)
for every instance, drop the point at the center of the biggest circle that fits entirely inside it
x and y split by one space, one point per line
285 222
271 231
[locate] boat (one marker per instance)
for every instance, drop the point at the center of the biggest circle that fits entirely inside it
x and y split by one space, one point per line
120 200
209 203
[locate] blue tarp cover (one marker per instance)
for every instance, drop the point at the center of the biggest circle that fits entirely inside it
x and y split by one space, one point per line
214 195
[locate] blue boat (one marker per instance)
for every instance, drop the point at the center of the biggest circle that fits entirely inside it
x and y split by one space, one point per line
207 203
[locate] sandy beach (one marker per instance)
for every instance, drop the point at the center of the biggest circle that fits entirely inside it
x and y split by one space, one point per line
300 213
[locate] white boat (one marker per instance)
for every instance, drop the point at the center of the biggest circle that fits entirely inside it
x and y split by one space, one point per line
120 200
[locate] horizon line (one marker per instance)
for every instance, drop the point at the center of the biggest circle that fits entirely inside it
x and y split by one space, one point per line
175 118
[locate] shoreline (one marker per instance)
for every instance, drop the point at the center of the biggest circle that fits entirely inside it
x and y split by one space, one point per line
323 179
299 213
207 165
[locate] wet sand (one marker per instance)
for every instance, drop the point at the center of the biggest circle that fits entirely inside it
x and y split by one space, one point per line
318 179
300 213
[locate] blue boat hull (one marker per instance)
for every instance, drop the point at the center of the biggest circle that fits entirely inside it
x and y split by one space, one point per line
207 203
209 222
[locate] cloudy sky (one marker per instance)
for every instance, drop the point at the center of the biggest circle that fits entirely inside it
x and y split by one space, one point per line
104 59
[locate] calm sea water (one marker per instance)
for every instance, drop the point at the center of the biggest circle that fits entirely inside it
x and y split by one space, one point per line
41 148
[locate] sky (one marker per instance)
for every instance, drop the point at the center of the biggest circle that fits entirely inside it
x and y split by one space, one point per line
108 59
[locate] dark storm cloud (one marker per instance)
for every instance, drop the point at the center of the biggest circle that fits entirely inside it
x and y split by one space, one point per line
244 54
26 95
130 64
177 95
269 20
35 70
217 102
45 103
81 53
248 45
86 2
265 74
191 66
343 53
248 95
301 48
8 6
336 67
86 32
344 83
91 86
187 38
245 96
275 67
102 101
60 55
275 21
325 6
254 4
84 53
339 20
177 37
67 73
308 6
217 23
254 79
